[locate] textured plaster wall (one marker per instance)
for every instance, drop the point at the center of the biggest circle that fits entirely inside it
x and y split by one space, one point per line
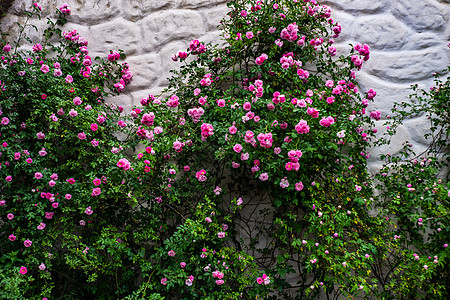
407 37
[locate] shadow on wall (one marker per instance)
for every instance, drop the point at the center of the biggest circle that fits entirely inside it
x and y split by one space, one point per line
4 6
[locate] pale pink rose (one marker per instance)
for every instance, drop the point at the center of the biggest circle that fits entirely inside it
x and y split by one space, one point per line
82 136
45 69
263 176
77 101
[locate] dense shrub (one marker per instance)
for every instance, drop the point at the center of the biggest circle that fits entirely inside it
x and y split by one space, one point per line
60 190
414 197
245 178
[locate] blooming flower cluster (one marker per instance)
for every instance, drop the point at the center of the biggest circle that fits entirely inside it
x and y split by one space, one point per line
290 32
201 175
207 130
124 164
196 114
196 47
270 113
264 279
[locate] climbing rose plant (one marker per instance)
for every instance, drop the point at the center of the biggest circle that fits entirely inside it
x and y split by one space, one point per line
58 154
247 177
414 196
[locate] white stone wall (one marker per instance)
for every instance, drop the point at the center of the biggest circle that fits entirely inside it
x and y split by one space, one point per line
407 37
408 41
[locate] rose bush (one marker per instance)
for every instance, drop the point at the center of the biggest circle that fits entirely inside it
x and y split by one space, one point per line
274 115
414 196
247 177
58 149
76 217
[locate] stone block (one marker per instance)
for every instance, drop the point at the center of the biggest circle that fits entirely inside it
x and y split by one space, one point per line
214 15
381 32
373 164
396 144
163 27
343 47
116 34
134 10
84 12
19 6
214 37
200 3
421 15
418 128
9 26
347 22
387 92
406 65
424 40
146 71
123 100
166 62
88 12
360 6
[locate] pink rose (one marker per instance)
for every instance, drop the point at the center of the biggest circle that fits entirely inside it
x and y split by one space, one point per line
45 69
375 115
220 282
326 122
7 48
303 74
263 176
82 136
96 191
220 102
88 211
302 127
77 101
5 121
237 148
299 186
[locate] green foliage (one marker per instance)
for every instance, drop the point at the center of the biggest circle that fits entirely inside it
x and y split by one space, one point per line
414 197
246 178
